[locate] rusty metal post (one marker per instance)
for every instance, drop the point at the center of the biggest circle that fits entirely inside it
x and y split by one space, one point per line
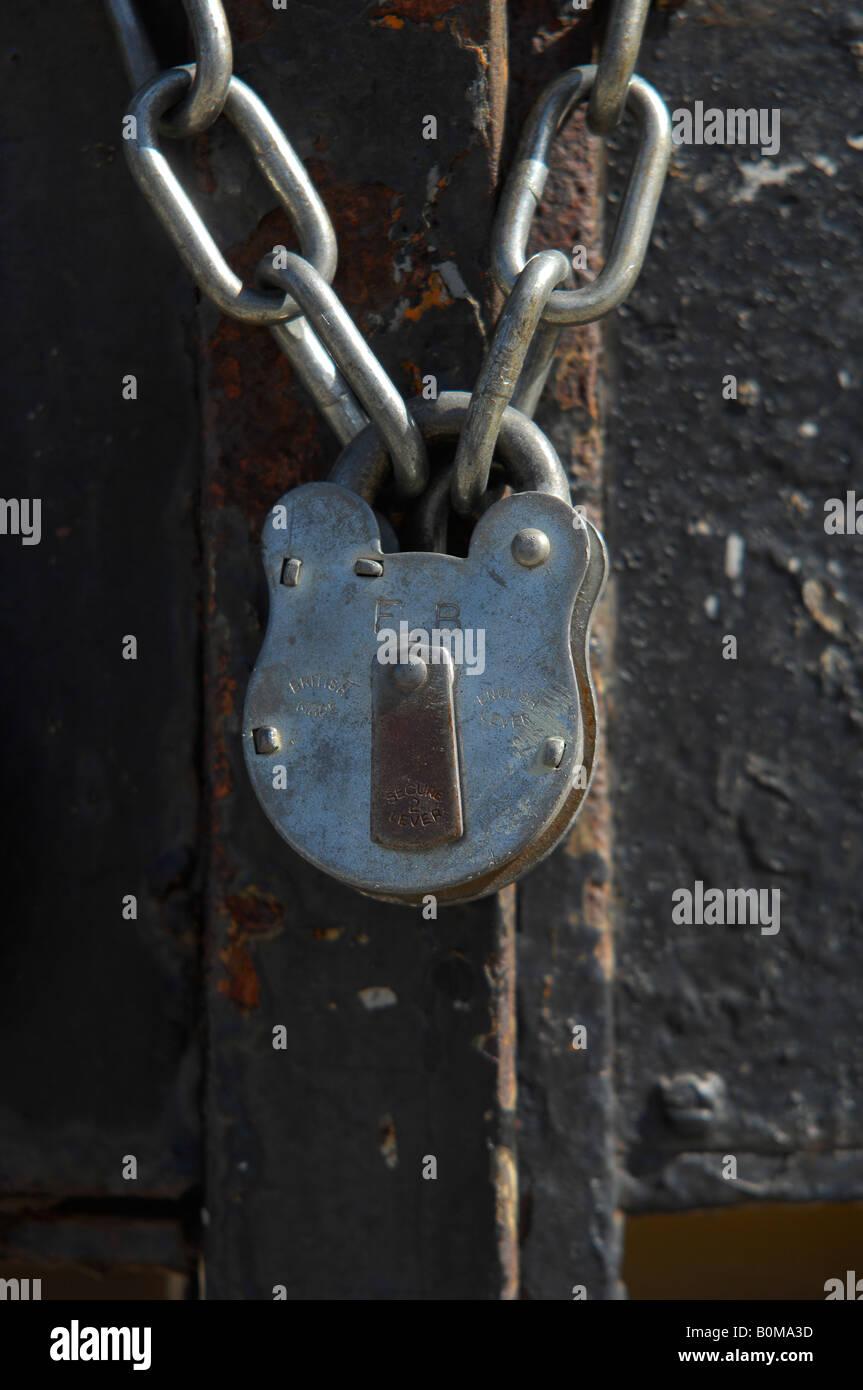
355 1161
570 1228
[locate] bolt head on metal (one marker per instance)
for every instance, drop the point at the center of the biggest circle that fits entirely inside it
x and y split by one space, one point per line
410 675
531 547
692 1100
291 572
553 751
266 739
370 569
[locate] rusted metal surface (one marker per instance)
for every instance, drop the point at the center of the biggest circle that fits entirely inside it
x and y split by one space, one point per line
502 973
570 1227
318 1149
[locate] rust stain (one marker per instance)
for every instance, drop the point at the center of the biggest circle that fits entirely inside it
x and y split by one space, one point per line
255 912
241 984
467 20
220 772
414 376
253 915
223 691
388 1144
328 933
604 951
434 296
363 216
226 689
419 11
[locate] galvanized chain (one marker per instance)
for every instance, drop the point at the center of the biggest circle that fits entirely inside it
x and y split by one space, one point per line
293 294
187 100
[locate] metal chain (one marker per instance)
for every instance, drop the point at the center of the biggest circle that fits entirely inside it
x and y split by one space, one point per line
175 101
611 87
214 64
348 349
293 295
280 167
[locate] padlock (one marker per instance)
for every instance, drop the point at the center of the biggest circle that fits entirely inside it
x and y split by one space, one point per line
420 723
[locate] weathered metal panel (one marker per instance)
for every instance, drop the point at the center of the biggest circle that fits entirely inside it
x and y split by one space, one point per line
98 752
570 1230
746 772
316 1151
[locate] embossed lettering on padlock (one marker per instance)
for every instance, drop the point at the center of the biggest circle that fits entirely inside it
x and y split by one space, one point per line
421 773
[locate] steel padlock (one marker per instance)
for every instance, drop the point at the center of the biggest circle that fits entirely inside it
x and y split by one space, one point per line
421 723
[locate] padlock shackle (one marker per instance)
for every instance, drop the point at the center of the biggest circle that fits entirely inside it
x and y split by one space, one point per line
530 459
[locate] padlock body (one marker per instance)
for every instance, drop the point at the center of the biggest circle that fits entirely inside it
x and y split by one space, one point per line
458 787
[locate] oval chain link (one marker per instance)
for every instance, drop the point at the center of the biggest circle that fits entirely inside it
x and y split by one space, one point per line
277 162
214 61
524 187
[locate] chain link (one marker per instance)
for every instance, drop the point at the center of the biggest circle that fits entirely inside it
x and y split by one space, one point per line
519 202
321 377
139 59
523 191
618 56
214 62
277 162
